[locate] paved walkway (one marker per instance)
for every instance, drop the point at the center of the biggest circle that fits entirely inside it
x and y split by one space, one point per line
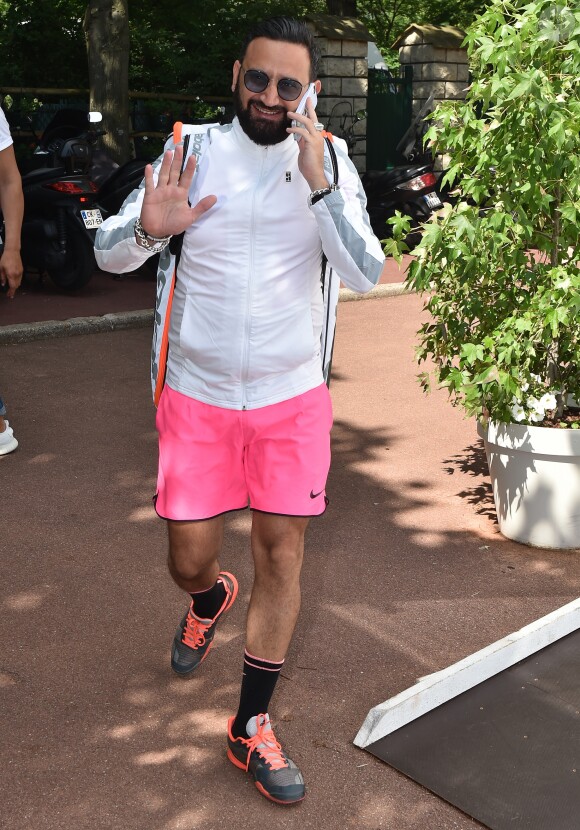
404 575
121 298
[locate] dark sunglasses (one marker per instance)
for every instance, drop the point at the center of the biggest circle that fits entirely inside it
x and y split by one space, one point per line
256 81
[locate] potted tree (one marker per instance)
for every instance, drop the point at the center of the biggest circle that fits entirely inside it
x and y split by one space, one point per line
500 269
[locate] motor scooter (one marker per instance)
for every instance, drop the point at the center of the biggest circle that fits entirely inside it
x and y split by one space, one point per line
410 188
60 218
70 140
59 225
69 189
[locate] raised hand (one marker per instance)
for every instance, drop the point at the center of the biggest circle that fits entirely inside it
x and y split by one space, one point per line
165 210
310 146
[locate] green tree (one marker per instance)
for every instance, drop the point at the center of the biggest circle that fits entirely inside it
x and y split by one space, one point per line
387 19
43 43
106 27
178 46
500 271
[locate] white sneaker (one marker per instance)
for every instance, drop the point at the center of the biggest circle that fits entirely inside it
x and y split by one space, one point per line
8 442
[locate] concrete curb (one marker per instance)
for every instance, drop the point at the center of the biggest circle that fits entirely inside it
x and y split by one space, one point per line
26 332
387 289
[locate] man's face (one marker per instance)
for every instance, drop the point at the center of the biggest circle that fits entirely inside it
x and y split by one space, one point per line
263 115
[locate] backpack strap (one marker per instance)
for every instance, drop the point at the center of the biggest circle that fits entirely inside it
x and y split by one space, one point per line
329 283
175 247
329 138
176 242
164 345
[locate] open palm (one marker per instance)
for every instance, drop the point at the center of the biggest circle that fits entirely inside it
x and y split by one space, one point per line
166 210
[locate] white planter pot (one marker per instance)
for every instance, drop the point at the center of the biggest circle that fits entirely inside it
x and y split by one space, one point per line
535 474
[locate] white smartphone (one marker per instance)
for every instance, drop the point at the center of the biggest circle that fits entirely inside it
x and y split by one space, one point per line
301 108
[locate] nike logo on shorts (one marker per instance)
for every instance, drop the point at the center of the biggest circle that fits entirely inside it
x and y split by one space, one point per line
314 495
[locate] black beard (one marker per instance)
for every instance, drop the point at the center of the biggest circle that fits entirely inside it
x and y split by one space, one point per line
260 132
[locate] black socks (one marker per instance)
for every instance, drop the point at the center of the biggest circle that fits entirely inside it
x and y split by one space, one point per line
207 603
258 683
260 676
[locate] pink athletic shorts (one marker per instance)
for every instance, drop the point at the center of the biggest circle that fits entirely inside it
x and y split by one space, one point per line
274 459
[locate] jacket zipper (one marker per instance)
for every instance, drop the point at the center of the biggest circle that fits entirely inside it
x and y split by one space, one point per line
248 320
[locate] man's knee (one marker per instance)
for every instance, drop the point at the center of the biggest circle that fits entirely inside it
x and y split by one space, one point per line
281 563
184 564
193 548
278 544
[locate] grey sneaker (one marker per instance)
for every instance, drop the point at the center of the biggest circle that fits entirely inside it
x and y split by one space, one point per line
8 442
276 776
194 635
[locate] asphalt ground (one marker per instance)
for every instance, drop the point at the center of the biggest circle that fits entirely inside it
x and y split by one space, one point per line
405 574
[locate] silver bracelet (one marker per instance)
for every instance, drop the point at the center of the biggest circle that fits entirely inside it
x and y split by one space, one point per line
317 195
153 244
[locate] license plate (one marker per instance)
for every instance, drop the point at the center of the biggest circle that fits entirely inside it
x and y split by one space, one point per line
433 201
92 218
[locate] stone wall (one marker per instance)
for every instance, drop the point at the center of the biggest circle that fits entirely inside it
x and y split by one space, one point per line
343 71
439 62
440 65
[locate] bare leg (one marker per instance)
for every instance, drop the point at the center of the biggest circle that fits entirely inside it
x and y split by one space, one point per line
194 548
278 550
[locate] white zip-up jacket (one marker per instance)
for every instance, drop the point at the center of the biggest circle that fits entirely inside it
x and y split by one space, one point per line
248 310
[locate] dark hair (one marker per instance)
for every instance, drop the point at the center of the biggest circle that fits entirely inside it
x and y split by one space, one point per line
288 30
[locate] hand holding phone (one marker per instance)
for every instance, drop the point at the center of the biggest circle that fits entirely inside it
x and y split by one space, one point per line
301 108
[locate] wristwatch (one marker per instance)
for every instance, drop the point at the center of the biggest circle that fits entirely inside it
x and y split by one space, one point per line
317 195
153 244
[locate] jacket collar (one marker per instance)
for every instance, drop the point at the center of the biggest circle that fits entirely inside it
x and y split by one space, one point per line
281 150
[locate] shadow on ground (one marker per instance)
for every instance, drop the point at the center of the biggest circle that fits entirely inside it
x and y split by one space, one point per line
473 463
99 734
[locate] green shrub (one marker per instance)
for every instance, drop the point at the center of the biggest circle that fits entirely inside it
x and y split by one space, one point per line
500 269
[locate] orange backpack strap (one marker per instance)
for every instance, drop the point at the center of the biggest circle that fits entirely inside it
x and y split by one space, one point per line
164 346
165 298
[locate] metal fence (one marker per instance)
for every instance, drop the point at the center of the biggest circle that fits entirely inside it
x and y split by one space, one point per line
29 111
389 113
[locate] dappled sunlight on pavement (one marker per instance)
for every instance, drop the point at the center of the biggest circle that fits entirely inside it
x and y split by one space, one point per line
404 575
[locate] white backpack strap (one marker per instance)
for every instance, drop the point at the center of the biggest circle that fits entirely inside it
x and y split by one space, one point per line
330 287
194 138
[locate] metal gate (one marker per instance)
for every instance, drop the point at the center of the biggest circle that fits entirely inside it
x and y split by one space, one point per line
389 112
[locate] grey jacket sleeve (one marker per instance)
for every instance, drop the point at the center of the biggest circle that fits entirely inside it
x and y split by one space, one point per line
348 241
116 249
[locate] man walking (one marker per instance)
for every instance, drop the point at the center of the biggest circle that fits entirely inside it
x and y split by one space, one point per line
244 417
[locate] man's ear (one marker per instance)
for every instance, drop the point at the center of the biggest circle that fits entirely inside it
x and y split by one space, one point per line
235 74
318 87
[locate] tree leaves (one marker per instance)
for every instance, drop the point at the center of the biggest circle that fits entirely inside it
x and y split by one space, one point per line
500 271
